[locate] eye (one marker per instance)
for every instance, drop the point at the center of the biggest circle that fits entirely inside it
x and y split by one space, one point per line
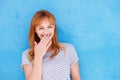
40 28
49 26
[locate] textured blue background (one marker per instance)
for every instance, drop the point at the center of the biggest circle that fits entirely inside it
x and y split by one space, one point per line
92 26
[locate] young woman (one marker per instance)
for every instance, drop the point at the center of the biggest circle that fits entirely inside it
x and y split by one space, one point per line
47 59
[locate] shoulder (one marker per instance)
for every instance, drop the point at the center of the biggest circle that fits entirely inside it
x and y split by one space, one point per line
25 59
70 51
67 45
25 52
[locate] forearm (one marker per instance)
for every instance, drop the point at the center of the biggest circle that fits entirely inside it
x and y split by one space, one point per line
37 69
76 79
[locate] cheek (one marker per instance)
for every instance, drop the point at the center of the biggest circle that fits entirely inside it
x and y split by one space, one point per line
39 34
51 30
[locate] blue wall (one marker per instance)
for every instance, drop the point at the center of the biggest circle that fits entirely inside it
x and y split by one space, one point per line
92 26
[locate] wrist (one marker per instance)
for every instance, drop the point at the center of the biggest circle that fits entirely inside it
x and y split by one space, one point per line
38 57
37 60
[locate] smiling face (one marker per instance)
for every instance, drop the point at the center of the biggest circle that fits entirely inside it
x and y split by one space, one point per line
45 29
43 24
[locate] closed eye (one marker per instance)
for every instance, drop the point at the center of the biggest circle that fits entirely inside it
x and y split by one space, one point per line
40 28
49 26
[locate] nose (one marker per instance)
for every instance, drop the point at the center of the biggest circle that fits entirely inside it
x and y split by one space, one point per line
46 32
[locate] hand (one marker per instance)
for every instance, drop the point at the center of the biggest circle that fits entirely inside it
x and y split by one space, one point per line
41 48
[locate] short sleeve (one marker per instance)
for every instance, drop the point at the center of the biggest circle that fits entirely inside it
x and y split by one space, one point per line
25 59
72 54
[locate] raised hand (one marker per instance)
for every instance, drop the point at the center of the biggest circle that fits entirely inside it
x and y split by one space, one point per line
41 48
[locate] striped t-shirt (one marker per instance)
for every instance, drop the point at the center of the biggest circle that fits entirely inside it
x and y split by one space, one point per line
57 68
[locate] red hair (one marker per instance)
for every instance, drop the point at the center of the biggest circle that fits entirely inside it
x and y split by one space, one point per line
36 20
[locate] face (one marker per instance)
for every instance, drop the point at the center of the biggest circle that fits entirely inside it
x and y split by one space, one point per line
45 29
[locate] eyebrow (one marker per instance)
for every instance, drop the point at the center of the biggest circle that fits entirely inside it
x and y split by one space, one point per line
43 26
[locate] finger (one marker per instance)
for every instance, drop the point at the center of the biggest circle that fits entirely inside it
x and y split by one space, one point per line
41 41
51 36
46 41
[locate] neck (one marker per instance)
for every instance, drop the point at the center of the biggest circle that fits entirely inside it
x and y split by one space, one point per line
50 48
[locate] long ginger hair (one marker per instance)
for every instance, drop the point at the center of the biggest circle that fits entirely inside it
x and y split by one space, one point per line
37 20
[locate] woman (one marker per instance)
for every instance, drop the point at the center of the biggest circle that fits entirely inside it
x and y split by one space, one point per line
47 59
